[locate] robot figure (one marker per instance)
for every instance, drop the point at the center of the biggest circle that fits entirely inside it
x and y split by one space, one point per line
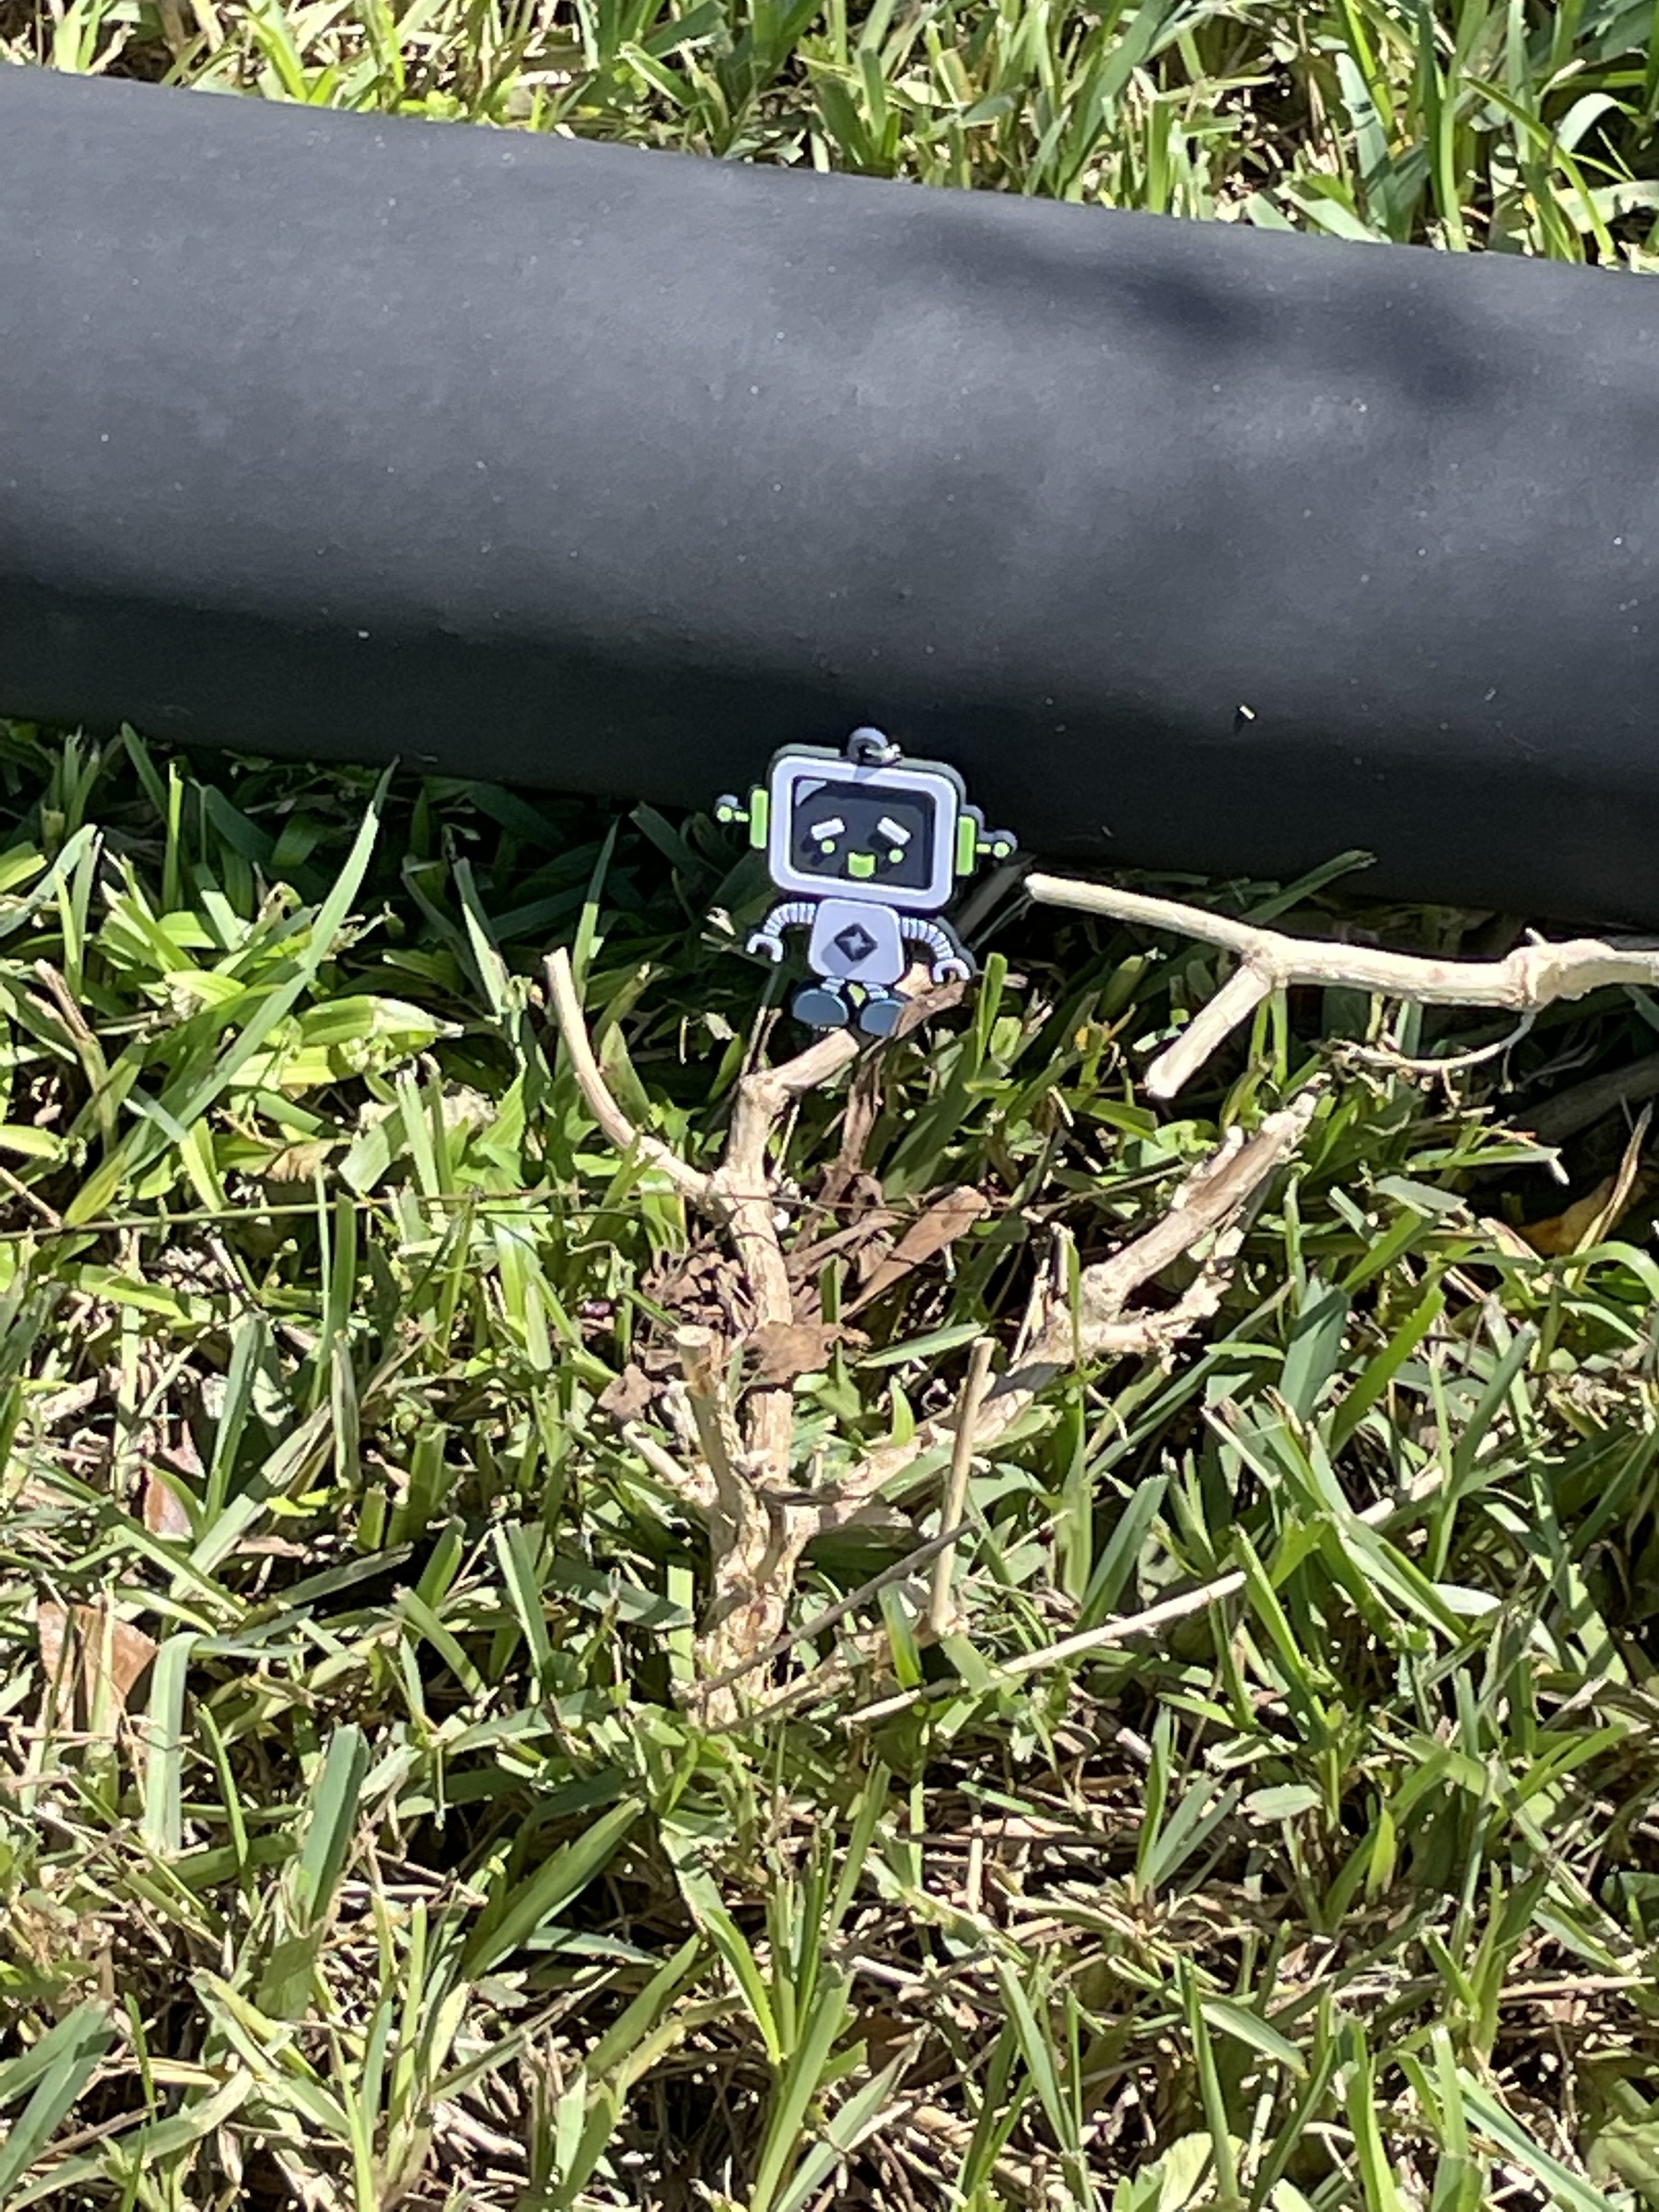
871 846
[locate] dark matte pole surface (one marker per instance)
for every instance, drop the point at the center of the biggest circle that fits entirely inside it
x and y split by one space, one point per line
578 467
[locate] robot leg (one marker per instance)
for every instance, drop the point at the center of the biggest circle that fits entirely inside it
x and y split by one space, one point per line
822 1005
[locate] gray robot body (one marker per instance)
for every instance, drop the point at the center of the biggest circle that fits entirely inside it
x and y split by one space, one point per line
867 848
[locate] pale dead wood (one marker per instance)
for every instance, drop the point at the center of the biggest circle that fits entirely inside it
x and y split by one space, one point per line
1533 976
1129 1628
716 1423
572 1028
829 1615
760 1525
695 1485
962 1463
1446 1063
1218 1191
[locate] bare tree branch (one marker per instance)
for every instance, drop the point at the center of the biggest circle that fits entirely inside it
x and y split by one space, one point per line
759 1522
1218 1191
1531 977
573 1031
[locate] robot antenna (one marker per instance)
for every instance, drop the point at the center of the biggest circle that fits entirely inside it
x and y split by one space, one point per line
873 748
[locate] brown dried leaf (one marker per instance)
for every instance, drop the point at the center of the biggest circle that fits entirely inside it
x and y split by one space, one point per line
632 1394
125 1655
163 1515
51 1626
858 1120
780 1351
1588 1220
703 1288
90 1654
946 1219
859 1240
1561 1233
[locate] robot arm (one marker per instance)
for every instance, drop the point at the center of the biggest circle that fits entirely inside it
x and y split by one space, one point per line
728 808
768 940
947 960
974 843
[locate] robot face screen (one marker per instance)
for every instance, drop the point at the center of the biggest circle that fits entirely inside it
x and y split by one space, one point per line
853 833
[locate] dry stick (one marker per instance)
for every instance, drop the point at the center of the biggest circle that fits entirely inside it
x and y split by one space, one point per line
1166 1614
1213 1197
770 1527
759 1534
739 1193
1443 1064
695 1484
830 1614
956 1496
1531 977
572 1028
717 1434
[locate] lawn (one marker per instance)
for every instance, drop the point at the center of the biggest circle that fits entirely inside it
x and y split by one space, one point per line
1236 1784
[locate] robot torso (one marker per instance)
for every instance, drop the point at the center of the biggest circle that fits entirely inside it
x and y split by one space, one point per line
856 941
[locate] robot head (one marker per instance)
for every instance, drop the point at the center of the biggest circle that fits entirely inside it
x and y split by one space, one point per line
866 824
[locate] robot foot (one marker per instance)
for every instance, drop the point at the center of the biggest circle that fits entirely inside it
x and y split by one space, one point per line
821 1006
878 1015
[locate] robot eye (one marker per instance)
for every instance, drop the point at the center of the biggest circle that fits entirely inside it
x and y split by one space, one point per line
827 832
895 855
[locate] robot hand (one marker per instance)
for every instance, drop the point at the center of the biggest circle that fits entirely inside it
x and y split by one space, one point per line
758 941
951 969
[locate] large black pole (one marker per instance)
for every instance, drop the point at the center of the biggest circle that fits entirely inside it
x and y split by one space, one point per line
571 466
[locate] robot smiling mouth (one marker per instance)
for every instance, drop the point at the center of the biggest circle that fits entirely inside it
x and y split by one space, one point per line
861 865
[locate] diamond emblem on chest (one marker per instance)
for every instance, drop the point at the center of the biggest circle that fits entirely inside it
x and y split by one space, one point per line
854 942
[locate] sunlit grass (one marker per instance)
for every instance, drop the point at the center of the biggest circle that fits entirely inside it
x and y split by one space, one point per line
356 1847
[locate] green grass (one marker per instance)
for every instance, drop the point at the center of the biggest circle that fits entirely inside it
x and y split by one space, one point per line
1487 123
356 1844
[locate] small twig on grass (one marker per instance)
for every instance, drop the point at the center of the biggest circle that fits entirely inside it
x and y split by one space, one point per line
1403 1063
33 1200
1214 1198
1130 1627
572 1028
695 1486
962 1463
1531 977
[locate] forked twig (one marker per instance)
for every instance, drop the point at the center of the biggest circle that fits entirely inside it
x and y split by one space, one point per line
1524 982
758 1527
1214 1199
760 1524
